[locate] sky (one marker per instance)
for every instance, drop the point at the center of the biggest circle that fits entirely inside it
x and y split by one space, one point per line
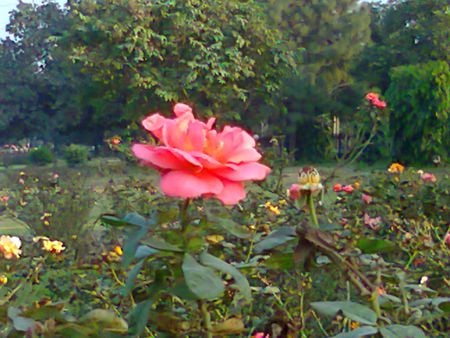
8 5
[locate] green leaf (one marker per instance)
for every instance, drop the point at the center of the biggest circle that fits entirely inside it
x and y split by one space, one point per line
14 227
230 226
359 332
283 261
375 245
132 275
201 280
182 291
134 236
131 219
106 320
352 310
218 264
161 245
401 331
138 318
278 237
143 251
445 306
20 323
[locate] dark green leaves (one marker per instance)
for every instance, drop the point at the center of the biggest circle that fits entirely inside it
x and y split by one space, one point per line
354 311
201 280
278 237
218 264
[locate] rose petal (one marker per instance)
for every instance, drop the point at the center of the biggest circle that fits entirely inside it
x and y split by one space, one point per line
244 172
181 109
178 183
231 193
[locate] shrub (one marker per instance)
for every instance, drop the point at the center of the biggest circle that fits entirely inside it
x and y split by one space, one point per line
76 154
41 156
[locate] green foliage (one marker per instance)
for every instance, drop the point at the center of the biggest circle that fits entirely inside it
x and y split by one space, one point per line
220 54
76 154
327 36
419 96
41 156
404 32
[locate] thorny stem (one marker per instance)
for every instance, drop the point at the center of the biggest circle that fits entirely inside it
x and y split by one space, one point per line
312 210
183 214
206 318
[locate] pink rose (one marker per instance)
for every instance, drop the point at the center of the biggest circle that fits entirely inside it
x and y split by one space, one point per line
348 189
366 198
428 177
294 192
196 160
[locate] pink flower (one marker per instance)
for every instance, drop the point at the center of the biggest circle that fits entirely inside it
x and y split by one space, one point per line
260 335
380 104
447 239
4 199
348 189
337 187
375 101
21 181
294 192
366 198
196 160
428 177
371 96
373 223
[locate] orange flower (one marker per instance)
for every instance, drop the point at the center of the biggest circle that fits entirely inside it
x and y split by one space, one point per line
396 168
10 246
115 140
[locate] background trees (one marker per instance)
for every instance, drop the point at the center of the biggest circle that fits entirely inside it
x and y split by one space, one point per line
73 74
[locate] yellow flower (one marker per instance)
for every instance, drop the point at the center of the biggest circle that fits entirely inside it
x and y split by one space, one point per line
357 185
53 246
46 223
118 250
3 279
274 209
396 168
214 239
282 202
10 246
354 325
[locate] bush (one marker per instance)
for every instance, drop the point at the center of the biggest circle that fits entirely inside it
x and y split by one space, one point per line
76 154
41 156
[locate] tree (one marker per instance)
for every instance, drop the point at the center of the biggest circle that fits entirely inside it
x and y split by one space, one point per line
218 55
404 32
327 36
37 82
419 96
